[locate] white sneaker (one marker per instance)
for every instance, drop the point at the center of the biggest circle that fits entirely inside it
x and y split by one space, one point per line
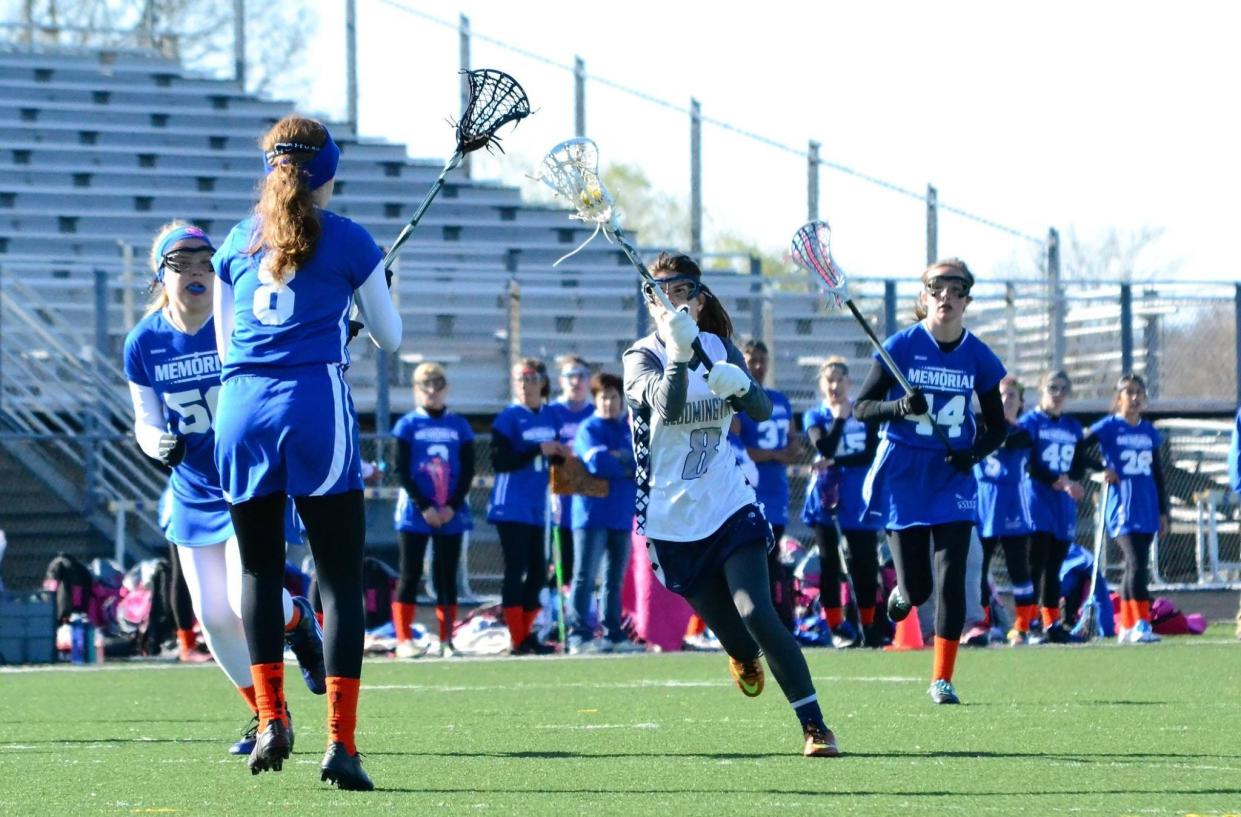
409 649
1142 633
592 647
627 647
1122 635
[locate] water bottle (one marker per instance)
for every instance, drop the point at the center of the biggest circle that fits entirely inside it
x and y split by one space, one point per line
80 641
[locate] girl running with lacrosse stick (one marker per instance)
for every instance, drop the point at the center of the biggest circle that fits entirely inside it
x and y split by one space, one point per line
1055 468
1137 502
926 496
286 425
845 448
173 371
435 463
706 534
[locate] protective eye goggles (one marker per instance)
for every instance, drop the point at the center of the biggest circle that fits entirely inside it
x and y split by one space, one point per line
432 384
185 261
955 287
569 374
686 287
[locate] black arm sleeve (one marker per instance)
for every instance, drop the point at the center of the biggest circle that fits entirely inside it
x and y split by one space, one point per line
825 442
992 435
870 406
466 479
1084 458
1161 489
1039 471
867 455
404 461
505 457
756 403
1017 439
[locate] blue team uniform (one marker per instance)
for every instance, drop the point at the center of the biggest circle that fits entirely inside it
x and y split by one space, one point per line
286 421
595 438
184 370
567 422
909 483
1132 505
1055 441
521 495
430 439
1234 455
769 435
1004 493
850 508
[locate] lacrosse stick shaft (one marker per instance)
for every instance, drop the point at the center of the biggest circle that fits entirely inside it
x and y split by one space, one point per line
408 229
558 557
1100 539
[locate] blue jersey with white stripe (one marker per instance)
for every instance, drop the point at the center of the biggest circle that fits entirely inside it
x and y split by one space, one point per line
435 445
1055 439
567 420
1004 466
302 321
1129 450
846 481
521 495
184 370
948 379
770 435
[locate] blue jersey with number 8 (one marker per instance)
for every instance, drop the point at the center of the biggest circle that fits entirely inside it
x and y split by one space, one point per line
947 379
1132 505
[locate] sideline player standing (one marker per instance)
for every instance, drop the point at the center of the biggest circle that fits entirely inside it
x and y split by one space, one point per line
928 500
707 537
286 425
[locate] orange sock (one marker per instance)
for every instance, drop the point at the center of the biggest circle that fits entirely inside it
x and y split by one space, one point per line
867 614
1142 611
834 616
446 615
945 658
1025 614
1050 616
515 620
251 701
269 692
186 641
1126 614
342 710
403 620
695 627
294 619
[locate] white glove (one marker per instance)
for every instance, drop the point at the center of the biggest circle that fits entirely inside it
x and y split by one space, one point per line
678 331
727 380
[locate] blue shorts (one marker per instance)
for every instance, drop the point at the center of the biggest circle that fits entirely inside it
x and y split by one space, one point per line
191 519
909 486
296 434
1003 510
683 567
1053 512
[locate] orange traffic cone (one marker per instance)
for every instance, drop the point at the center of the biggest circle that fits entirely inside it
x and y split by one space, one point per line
908 634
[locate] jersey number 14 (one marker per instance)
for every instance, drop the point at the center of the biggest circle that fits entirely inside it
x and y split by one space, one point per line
951 416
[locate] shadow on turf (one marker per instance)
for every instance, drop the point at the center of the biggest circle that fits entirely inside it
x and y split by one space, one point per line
803 792
1083 757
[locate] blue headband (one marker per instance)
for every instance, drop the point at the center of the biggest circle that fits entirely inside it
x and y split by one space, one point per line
172 237
320 167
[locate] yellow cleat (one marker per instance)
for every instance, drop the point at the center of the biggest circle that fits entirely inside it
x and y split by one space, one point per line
748 675
820 742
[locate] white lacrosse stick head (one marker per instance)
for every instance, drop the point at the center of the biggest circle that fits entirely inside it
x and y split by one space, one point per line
571 169
811 249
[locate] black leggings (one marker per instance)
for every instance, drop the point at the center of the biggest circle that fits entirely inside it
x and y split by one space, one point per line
1046 556
445 558
179 592
336 528
1136 548
525 564
863 565
736 604
921 571
781 580
1017 558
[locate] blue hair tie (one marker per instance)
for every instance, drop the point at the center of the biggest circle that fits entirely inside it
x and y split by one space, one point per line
174 235
320 167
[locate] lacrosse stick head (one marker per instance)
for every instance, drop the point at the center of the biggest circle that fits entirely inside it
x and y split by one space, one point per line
495 100
811 249
571 170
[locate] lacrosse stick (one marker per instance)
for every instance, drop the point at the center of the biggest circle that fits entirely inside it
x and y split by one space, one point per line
842 551
495 100
571 169
811 250
1089 627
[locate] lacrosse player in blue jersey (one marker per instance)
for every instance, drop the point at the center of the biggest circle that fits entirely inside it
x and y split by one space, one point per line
924 490
435 463
1137 501
569 411
706 533
286 425
174 380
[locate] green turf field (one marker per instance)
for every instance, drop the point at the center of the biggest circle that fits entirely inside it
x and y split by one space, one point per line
1144 730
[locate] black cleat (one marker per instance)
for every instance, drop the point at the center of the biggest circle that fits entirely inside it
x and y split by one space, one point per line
1056 634
344 769
306 641
898 607
876 636
532 646
272 748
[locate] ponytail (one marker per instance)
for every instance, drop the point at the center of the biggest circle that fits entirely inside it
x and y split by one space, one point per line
288 226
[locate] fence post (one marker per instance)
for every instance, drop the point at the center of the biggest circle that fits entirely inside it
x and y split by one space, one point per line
1010 320
932 225
579 96
1236 326
1126 328
239 41
514 322
889 307
127 283
90 460
812 181
1055 300
383 412
464 56
695 176
1150 341
351 64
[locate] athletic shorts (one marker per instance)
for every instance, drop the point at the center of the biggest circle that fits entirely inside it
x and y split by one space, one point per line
295 434
909 486
1053 512
683 567
1003 510
191 519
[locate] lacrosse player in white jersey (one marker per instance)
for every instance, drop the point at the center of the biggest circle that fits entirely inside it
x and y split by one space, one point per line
706 533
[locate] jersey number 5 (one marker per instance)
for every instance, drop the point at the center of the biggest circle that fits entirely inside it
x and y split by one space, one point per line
195 409
704 443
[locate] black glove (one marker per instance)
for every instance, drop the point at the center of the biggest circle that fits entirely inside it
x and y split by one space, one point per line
388 276
912 403
171 449
354 328
963 461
